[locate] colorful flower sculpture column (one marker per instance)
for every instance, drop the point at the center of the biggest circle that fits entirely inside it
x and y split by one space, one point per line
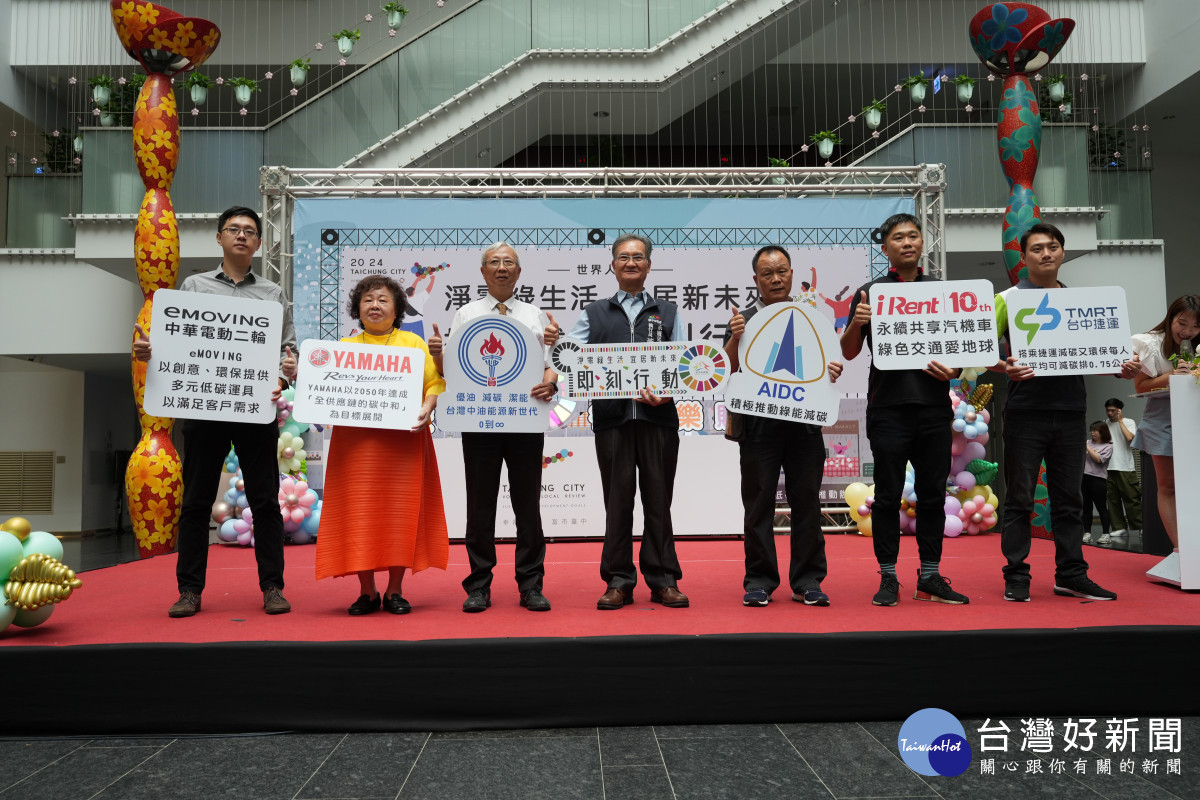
1013 40
165 44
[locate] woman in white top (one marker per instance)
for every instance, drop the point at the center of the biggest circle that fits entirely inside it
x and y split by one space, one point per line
1154 350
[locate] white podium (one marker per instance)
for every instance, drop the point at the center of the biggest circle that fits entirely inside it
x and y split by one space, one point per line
1183 568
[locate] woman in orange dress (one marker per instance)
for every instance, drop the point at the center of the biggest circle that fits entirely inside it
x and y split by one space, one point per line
383 507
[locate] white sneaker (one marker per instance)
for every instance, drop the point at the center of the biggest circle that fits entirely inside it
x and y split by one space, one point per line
1087 538
1104 539
1119 532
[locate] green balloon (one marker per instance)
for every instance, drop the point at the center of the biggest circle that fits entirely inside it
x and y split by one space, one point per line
31 619
7 612
10 554
45 543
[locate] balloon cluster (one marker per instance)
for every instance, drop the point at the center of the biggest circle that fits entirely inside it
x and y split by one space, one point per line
235 521
290 447
419 270
970 504
32 575
298 504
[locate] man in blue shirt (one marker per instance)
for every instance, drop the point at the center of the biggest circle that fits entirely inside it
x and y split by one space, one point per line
637 441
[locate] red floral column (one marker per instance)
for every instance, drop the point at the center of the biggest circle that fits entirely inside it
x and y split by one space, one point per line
165 44
1013 40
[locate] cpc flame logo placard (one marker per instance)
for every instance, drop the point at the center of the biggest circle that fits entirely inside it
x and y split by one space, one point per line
492 351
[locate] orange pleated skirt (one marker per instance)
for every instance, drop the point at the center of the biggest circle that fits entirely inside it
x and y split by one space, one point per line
383 504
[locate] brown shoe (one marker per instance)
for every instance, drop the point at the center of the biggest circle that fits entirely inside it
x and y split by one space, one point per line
614 599
669 596
187 605
273 602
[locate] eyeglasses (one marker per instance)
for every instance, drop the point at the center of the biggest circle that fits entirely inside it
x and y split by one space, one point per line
498 262
249 233
625 258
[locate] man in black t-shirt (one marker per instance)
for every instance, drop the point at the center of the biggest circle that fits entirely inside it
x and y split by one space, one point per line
908 421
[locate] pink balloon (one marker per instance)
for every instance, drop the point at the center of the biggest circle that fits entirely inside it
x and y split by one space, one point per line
310 497
987 415
290 526
248 516
983 438
988 510
244 539
989 521
954 526
972 527
301 487
952 505
957 445
964 480
241 526
979 499
864 510
298 515
974 450
969 507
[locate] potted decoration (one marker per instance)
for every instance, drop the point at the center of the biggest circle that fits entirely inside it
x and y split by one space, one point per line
298 70
346 39
197 85
107 117
1056 88
101 89
964 87
825 141
916 85
395 14
778 162
873 113
243 88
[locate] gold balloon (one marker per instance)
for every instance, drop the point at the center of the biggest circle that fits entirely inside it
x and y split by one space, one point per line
18 527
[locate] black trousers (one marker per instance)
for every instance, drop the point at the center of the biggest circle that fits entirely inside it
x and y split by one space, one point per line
1056 437
1095 493
920 435
800 451
482 455
206 444
636 455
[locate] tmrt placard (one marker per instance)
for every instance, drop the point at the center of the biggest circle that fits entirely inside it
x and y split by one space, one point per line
915 322
1063 331
214 357
362 385
785 353
491 365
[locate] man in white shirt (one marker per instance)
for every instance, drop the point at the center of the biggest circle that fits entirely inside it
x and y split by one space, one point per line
1124 488
521 452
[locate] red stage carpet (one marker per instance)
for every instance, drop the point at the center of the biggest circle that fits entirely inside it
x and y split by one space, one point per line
128 603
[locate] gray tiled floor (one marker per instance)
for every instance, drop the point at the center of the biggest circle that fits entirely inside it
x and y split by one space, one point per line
741 762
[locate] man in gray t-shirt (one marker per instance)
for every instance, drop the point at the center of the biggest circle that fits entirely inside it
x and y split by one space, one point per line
1124 488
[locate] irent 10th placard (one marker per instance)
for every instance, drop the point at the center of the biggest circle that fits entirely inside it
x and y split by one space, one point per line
950 322
214 357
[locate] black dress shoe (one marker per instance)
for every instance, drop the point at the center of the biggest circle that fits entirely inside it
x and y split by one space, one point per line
395 604
364 605
477 601
613 599
534 600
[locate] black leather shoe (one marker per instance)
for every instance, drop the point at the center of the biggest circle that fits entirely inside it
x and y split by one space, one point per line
477 601
614 599
534 600
395 604
364 605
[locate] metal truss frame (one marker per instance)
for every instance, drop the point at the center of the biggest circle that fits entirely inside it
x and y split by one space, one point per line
925 184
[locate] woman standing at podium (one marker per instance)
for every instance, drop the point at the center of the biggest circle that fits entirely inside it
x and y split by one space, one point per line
1177 334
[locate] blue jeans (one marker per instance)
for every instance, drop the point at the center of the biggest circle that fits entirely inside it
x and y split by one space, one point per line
1056 437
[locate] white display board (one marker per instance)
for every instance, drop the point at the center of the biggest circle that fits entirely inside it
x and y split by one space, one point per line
1067 331
490 367
214 357
785 352
951 322
361 385
623 371
1185 434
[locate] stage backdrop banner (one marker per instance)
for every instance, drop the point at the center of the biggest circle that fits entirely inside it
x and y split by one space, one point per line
700 260
214 357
